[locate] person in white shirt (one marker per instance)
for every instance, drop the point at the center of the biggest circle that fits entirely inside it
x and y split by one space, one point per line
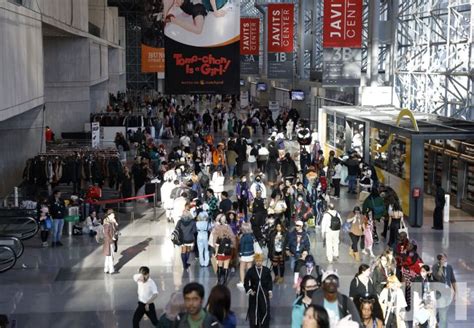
185 142
217 183
179 205
166 198
330 228
336 178
93 225
147 293
258 185
252 158
289 129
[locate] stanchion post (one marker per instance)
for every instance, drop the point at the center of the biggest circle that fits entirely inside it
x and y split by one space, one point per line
154 207
132 216
15 191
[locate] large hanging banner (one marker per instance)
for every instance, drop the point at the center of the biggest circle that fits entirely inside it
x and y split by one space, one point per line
342 67
202 46
249 45
280 40
152 47
342 24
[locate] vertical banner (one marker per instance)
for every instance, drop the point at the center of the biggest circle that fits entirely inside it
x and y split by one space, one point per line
152 47
280 40
202 46
95 131
342 24
342 67
249 45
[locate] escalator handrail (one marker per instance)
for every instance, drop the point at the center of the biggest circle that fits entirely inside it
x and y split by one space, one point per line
13 258
36 225
16 240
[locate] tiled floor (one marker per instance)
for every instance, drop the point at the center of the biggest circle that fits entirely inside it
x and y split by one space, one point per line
66 287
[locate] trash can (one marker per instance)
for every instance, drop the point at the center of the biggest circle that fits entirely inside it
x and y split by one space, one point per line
71 219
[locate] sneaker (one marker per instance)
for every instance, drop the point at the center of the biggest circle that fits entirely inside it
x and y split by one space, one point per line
45 244
240 285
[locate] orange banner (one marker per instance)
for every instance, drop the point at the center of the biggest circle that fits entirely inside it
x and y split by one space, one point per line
153 59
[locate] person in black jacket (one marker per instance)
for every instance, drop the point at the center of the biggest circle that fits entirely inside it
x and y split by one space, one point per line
288 168
352 172
362 284
57 209
439 208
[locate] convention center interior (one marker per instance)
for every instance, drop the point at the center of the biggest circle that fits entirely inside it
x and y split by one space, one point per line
237 163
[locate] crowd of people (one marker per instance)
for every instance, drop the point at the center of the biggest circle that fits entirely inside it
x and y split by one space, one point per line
282 196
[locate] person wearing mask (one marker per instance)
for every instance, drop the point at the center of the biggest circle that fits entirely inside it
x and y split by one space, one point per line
57 209
307 288
259 215
424 299
330 228
187 228
336 178
203 227
108 246
276 251
258 285
337 305
246 251
174 306
258 185
303 211
368 315
298 242
444 273
315 316
356 233
147 294
310 268
243 195
393 303
218 305
195 315
362 283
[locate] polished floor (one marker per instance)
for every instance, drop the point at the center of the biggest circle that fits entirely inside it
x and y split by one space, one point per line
66 286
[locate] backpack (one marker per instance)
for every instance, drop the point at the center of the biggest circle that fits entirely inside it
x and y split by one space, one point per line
176 236
204 181
225 246
379 210
254 152
335 222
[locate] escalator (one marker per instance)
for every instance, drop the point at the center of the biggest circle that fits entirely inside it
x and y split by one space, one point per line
14 228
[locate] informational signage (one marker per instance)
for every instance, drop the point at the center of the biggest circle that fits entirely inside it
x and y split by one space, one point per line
280 40
249 45
342 67
274 107
342 24
244 99
202 48
95 130
152 47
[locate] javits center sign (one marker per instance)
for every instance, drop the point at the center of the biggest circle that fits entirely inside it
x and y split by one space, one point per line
342 24
249 45
280 40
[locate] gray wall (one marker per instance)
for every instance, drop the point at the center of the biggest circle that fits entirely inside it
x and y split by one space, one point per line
21 60
21 139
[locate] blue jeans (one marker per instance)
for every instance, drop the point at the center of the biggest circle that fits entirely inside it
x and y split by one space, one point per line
231 170
58 225
352 179
203 247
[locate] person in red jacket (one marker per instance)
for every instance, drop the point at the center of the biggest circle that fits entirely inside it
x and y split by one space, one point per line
48 134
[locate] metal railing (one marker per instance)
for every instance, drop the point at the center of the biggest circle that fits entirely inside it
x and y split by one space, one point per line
20 227
7 258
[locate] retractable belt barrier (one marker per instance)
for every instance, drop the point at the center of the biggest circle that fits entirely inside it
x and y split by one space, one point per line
118 200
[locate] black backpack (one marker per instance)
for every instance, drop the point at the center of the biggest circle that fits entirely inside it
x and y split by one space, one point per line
225 246
335 222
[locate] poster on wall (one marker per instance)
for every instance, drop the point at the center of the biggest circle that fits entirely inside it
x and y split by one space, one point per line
244 99
249 45
280 40
95 131
202 47
152 43
342 67
342 24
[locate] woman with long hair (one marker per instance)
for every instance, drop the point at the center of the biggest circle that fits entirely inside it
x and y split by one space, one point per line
108 246
362 284
246 251
381 272
356 233
218 304
367 310
392 300
368 235
276 251
224 242
394 223
315 316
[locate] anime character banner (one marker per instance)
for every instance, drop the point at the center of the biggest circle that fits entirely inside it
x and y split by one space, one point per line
202 46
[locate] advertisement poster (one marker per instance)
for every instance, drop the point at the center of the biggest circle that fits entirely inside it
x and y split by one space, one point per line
249 45
342 67
342 24
202 46
244 99
152 48
280 40
95 131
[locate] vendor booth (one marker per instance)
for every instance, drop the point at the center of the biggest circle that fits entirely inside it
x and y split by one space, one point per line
410 151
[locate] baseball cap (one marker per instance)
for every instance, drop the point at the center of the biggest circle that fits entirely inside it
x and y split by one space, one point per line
329 273
299 223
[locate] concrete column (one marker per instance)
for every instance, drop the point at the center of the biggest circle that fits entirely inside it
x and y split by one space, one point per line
374 22
417 158
98 15
265 40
